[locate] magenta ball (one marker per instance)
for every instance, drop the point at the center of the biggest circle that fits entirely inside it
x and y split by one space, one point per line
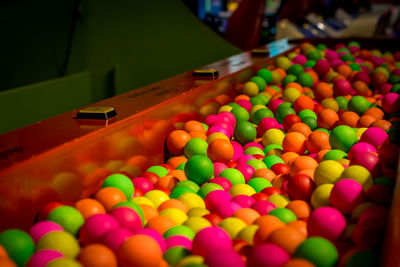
336 62
154 234
326 222
266 124
210 239
97 225
218 168
222 123
218 129
42 257
368 160
142 184
360 147
346 195
244 201
375 136
385 88
218 258
274 104
354 49
245 104
244 158
250 144
300 59
263 206
322 66
216 198
268 254
178 241
210 118
246 170
362 76
227 209
391 102
222 181
127 218
228 117
331 54
237 150
342 87
115 238
41 228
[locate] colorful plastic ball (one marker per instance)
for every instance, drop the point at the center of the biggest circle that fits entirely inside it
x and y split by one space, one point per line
69 218
261 114
233 175
288 238
159 170
178 241
176 141
18 245
261 83
251 89
265 74
199 169
311 122
290 94
232 226
174 255
181 230
321 196
306 80
282 62
245 132
7 262
109 197
244 200
317 141
115 238
273 136
97 255
368 160
283 214
241 114
127 218
342 87
296 69
215 198
42 257
361 147
220 150
62 242
300 208
343 137
220 240
64 262
242 189
359 174
96 226
192 200
334 154
391 102
346 195
88 206
268 255
328 172
120 181
246 169
326 222
318 251
140 250
207 188
375 136
294 142
195 146
259 184
279 200
224 258
322 66
358 104
41 228
157 197
300 187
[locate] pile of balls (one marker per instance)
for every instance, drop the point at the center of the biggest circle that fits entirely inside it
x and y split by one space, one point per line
296 169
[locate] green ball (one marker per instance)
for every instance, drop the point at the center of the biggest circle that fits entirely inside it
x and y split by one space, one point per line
199 169
159 170
343 49
260 82
233 175
272 160
311 122
306 80
384 181
281 113
18 244
334 154
342 102
60 241
310 64
282 62
69 218
245 132
347 57
259 100
259 183
253 150
256 164
123 183
343 137
321 47
355 67
178 191
261 114
64 262
283 214
354 43
296 70
195 146
394 79
205 126
318 251
290 78
358 104
134 206
181 166
181 230
174 254
205 189
240 114
272 146
314 55
265 74
187 183
363 259
307 113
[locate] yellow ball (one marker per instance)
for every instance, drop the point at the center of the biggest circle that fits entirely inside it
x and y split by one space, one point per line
276 77
64 262
63 242
247 233
360 131
250 89
242 189
157 197
190 260
330 103
192 200
197 223
280 201
143 201
177 215
290 95
215 136
320 196
273 136
225 108
198 212
344 161
328 172
358 173
232 226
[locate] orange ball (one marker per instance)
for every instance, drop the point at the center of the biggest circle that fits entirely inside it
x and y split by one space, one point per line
88 207
176 161
97 255
300 225
149 212
109 197
223 99
375 112
314 75
241 97
140 161
300 127
281 72
294 142
383 124
194 126
302 163
303 102
300 208
323 90
7 262
361 88
176 141
321 154
247 215
267 224
160 224
200 135
264 173
3 252
317 141
297 262
295 85
289 156
178 174
365 121
344 70
349 118
173 203
140 250
327 119
279 180
167 181
220 150
288 238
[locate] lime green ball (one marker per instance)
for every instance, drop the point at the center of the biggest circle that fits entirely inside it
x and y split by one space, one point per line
134 206
334 154
261 114
199 169
358 104
250 89
342 102
181 230
253 150
290 94
292 55
64 262
240 114
296 70
307 113
318 251
281 113
256 164
310 64
347 57
272 146
259 183
260 82
123 183
283 214
174 254
290 78
314 55
159 170
181 166
265 74
383 70
283 62
258 100
354 43
195 146
343 49
343 137
359 174
321 47
311 122
18 244
272 160
306 80
60 241
178 191
245 132
69 218
233 175
190 184
205 189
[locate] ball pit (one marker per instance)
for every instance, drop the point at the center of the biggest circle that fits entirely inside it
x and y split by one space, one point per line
296 169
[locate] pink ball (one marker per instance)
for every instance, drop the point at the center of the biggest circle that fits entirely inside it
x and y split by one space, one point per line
268 254
222 181
368 160
218 129
237 150
354 49
251 144
263 206
326 222
322 66
246 170
391 102
342 87
377 61
228 117
266 124
115 238
346 195
330 54
245 104
375 136
210 118
127 218
42 257
154 234
210 239
96 226
244 201
142 184
218 258
244 158
300 59
227 209
178 241
218 168
338 46
360 147
41 228
385 88
273 105
336 62
216 198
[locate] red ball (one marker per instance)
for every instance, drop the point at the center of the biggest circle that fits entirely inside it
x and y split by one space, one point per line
342 87
269 191
260 196
280 168
289 120
213 218
300 187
